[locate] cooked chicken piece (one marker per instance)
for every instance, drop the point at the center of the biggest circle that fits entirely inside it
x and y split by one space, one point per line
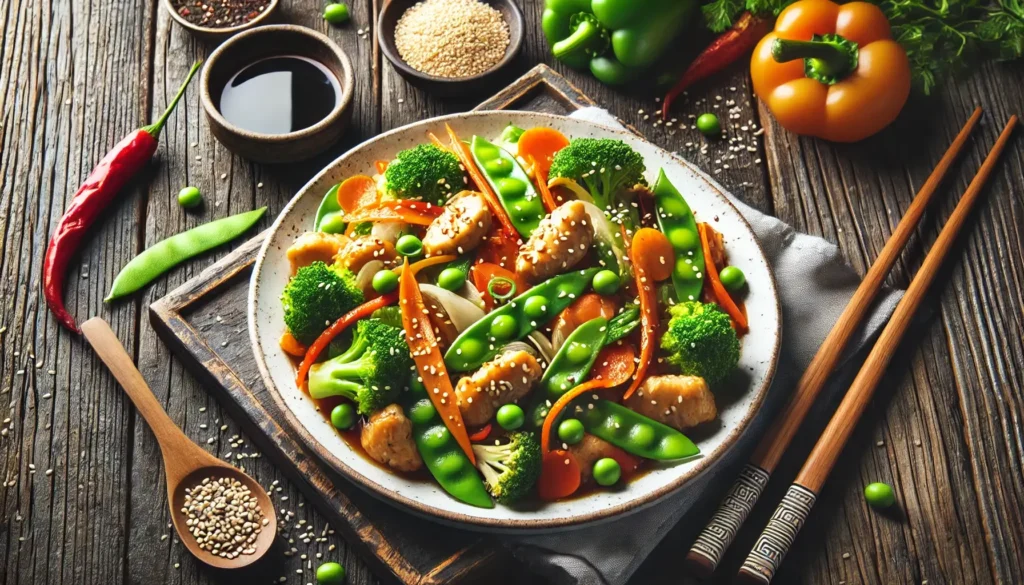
463 224
505 379
590 449
313 246
680 402
366 249
387 438
559 242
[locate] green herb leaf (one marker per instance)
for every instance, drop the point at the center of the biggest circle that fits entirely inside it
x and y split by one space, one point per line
719 14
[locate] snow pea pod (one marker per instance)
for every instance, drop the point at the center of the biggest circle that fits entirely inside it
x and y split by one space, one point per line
517 319
330 215
677 222
568 367
633 432
166 254
513 186
441 453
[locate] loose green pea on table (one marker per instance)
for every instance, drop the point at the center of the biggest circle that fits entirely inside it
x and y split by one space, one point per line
879 495
190 197
330 574
708 125
336 13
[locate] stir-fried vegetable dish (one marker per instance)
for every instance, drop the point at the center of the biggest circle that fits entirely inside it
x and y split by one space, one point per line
519 316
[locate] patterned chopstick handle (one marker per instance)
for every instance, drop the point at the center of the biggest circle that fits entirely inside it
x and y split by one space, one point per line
773 544
707 550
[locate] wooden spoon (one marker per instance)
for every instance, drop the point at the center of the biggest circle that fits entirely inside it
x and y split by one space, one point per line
185 463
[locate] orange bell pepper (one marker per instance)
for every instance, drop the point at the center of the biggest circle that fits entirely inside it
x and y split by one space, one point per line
831 71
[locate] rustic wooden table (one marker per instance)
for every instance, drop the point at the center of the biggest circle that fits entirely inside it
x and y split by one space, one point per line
82 499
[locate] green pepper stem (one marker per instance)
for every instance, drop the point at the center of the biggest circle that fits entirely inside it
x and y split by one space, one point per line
586 33
828 59
155 128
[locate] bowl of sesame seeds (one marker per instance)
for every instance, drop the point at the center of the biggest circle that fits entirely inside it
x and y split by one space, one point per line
450 46
216 20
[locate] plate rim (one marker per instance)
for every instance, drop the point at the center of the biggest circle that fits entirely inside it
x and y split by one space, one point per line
519 526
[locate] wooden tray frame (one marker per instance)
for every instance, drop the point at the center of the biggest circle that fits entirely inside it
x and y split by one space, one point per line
350 510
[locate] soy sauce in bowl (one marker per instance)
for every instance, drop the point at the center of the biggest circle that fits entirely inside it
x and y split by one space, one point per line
280 95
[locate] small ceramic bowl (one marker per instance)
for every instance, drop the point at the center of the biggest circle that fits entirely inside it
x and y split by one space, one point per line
273 41
209 33
447 86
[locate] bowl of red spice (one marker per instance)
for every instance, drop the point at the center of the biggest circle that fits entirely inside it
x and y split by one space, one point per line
216 20
450 47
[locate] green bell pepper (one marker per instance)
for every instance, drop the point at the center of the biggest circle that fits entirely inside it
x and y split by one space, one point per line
615 39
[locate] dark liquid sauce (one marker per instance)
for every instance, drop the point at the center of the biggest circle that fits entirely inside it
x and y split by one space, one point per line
280 95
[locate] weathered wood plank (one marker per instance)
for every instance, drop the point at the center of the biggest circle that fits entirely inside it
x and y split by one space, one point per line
62 109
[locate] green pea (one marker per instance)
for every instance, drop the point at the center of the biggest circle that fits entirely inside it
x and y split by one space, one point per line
486 152
436 437
190 197
577 353
607 471
343 416
732 279
879 495
451 279
643 435
336 13
333 224
684 269
570 431
511 187
708 124
384 281
535 307
499 167
504 327
422 412
510 417
606 282
683 239
409 245
471 349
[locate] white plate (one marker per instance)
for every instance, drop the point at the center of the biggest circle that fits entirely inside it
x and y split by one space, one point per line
736 405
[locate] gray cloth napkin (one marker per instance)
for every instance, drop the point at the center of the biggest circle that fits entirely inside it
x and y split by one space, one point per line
814 284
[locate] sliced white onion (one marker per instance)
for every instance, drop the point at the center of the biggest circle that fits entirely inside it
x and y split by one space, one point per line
389 231
461 311
365 276
604 231
578 190
519 346
557 339
469 292
540 341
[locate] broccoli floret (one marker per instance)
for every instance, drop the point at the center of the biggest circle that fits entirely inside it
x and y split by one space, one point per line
425 172
367 373
316 296
605 166
701 341
390 315
510 469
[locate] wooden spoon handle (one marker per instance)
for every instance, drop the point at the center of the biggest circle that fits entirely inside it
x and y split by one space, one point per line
110 350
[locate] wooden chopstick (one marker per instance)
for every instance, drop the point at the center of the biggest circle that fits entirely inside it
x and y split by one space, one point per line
789 517
716 537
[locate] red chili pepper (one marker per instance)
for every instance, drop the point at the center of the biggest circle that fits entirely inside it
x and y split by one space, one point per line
722 52
104 182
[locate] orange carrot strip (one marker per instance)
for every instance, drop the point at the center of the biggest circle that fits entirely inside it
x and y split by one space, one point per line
614 365
343 323
429 362
541 144
381 166
357 192
290 345
462 151
648 311
654 249
403 210
425 263
721 295
541 177
559 476
437 141
481 433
